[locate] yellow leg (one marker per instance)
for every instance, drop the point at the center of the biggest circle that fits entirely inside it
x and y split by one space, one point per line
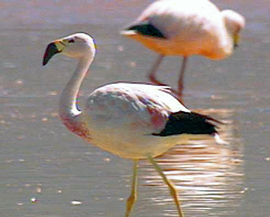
133 195
171 186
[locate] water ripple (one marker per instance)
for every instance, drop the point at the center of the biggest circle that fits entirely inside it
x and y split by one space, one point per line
208 176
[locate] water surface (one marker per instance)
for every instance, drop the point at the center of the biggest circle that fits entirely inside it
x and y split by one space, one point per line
47 171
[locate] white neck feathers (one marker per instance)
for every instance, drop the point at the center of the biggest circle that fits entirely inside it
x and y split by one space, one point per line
68 100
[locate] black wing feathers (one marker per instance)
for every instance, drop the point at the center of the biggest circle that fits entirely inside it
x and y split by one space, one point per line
188 123
148 29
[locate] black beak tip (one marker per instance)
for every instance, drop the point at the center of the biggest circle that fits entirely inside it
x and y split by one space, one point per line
44 62
51 50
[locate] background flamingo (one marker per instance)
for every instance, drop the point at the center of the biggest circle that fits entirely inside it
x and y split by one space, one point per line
186 28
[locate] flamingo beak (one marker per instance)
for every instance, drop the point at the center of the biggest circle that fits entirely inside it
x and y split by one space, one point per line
236 40
52 49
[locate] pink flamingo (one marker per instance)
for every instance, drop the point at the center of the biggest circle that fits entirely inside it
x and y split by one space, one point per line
130 120
186 28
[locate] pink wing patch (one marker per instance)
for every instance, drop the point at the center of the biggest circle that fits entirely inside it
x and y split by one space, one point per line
158 118
158 115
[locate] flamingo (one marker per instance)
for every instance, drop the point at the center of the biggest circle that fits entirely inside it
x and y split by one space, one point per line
186 28
131 120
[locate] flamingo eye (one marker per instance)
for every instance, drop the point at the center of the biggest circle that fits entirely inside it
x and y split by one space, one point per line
71 41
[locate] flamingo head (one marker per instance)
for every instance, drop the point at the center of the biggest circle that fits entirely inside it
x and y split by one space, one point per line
76 46
234 23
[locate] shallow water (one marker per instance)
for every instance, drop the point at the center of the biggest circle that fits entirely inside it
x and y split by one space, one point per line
47 171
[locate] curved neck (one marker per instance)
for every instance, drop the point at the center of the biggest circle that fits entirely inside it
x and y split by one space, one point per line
68 99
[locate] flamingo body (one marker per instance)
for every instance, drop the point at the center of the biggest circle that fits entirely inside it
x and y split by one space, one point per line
188 27
122 118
